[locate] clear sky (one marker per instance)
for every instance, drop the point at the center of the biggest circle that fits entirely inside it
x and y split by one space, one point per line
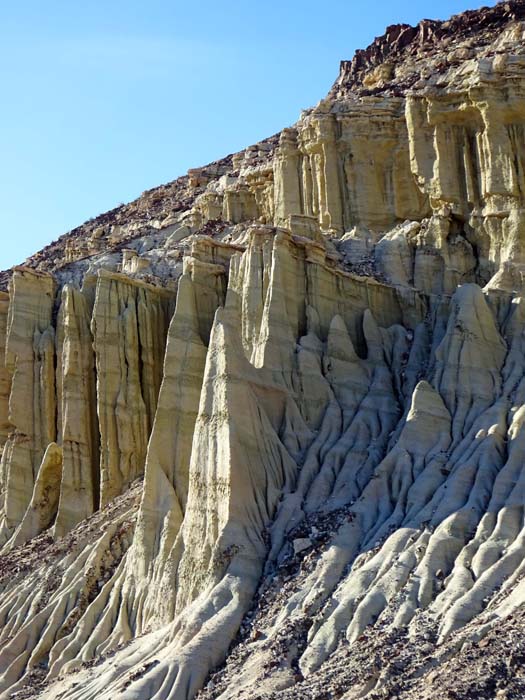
106 98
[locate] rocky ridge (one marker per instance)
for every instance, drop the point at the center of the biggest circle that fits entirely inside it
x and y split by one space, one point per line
265 424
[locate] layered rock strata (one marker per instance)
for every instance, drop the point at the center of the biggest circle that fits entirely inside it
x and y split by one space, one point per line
280 423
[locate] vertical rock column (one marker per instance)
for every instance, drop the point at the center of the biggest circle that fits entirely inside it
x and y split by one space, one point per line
287 188
330 200
129 325
79 491
30 360
5 379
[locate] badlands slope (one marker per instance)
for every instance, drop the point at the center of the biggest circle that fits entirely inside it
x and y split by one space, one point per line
262 430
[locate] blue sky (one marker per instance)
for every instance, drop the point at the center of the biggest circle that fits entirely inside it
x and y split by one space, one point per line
104 99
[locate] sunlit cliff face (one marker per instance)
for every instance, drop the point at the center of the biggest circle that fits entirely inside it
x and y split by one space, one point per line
270 415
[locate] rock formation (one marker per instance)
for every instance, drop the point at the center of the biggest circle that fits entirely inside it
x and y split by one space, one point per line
261 430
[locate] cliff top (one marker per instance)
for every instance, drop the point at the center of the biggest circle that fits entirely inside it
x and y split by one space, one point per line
429 38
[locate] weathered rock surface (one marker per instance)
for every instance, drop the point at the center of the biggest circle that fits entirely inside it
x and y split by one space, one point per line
129 326
262 430
5 377
30 361
77 419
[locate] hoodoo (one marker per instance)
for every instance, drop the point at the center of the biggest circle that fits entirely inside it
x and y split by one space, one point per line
262 430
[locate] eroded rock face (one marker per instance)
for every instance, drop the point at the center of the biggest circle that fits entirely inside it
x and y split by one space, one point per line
77 417
129 327
30 361
5 377
266 423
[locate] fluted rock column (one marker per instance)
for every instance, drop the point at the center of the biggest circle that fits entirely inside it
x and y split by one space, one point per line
30 359
79 490
129 325
5 378
287 188
330 204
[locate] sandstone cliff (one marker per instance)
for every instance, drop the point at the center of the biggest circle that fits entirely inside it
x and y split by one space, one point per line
262 429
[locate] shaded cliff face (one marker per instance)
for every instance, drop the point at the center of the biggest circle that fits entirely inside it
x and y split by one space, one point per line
261 430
